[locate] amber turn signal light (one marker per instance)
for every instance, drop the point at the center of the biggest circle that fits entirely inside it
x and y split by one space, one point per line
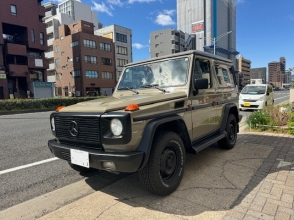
132 107
59 108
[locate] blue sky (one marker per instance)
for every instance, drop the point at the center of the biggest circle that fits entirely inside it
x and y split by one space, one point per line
265 28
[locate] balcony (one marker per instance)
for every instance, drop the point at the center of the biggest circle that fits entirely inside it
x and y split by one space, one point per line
51 66
16 49
18 70
37 63
175 38
50 42
49 54
175 47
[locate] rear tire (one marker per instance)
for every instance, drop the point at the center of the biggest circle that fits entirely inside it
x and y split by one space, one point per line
164 170
229 141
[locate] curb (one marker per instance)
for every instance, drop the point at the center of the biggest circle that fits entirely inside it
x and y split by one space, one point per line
26 111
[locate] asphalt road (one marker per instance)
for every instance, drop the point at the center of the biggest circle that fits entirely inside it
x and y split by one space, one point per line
27 167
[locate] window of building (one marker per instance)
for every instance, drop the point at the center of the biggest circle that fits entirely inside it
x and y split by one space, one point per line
77 59
69 59
87 25
62 53
58 91
41 38
157 54
13 9
106 75
122 50
33 35
76 73
89 43
106 61
74 43
91 74
57 62
156 36
66 90
75 25
56 48
104 46
90 59
121 62
121 37
156 45
50 36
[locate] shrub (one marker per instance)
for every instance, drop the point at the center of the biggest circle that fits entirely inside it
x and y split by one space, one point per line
50 103
278 118
290 124
259 117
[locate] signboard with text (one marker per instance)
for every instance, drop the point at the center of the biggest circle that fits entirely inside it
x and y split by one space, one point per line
2 74
198 27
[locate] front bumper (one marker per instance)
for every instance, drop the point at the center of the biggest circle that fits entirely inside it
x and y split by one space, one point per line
124 162
252 105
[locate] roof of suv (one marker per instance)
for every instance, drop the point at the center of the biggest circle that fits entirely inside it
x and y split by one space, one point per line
196 52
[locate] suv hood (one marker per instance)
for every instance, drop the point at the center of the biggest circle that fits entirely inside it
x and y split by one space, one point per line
119 103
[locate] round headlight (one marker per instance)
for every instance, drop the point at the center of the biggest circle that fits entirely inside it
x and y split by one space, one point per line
116 127
53 123
262 98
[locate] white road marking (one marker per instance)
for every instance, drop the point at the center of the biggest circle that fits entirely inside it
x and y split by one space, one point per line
28 165
282 97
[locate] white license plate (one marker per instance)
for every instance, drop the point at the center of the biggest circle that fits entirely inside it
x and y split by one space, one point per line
79 157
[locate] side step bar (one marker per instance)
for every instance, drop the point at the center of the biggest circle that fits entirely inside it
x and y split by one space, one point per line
199 146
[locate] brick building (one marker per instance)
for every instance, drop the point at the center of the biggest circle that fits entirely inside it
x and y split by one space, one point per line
276 71
22 45
84 62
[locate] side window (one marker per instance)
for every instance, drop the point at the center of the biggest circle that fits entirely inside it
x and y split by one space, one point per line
224 78
202 70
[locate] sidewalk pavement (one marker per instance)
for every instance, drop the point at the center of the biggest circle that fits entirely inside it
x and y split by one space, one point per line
255 180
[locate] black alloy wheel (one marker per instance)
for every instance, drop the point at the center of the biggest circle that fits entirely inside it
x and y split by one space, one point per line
165 167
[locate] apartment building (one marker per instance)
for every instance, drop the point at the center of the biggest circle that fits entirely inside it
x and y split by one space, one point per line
122 39
276 71
243 67
167 41
258 73
23 41
67 12
85 63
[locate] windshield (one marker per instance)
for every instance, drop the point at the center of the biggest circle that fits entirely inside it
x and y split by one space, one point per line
162 74
254 90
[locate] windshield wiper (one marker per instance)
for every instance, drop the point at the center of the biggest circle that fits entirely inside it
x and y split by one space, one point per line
153 86
129 88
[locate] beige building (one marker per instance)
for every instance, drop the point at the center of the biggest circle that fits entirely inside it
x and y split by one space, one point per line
243 66
84 62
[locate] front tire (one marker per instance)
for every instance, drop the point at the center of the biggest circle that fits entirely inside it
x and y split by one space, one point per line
229 141
165 168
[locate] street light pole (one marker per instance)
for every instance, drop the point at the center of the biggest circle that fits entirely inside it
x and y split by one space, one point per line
219 37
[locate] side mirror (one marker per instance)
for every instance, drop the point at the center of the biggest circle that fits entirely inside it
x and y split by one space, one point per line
201 83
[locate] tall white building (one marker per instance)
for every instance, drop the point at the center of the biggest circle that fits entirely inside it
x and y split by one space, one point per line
66 12
122 38
208 20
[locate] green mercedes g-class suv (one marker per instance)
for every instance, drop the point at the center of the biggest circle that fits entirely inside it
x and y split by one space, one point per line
161 109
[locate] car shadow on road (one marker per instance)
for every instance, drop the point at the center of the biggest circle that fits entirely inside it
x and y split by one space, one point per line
214 180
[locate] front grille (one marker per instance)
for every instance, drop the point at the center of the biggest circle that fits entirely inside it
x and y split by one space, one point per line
65 155
88 128
249 100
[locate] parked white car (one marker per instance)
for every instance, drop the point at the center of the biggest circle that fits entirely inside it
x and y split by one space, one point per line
256 96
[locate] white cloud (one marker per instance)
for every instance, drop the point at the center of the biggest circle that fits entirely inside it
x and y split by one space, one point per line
115 2
141 1
139 46
101 8
164 18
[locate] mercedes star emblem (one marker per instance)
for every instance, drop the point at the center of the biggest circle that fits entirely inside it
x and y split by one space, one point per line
73 128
